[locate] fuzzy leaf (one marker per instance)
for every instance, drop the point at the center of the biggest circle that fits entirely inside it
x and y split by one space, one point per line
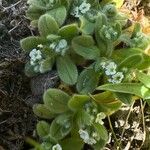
87 81
42 111
67 70
144 78
31 42
47 25
43 128
130 88
124 97
69 31
131 61
83 118
77 101
58 131
56 100
29 70
47 64
72 144
84 46
102 131
107 102
59 14
86 27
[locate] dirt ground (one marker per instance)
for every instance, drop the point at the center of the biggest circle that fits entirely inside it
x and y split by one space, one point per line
17 120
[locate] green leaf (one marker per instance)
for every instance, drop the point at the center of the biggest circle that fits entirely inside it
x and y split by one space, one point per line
69 31
29 70
86 27
107 102
84 46
102 131
87 81
83 118
137 89
34 12
59 14
42 111
124 97
47 25
58 131
132 61
43 128
47 64
72 144
144 78
56 100
67 70
77 101
31 42
145 64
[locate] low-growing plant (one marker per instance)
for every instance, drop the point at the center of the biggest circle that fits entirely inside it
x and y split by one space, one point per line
101 59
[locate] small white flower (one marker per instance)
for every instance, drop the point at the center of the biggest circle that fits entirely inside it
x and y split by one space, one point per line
40 46
103 64
75 12
63 44
111 69
95 136
84 134
35 55
53 45
84 7
118 77
90 141
99 118
57 147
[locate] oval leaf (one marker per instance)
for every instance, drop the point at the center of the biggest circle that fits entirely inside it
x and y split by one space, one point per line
56 100
67 70
47 25
87 81
31 42
42 111
84 46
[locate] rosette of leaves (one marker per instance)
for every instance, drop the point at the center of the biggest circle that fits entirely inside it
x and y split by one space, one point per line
69 114
55 8
49 34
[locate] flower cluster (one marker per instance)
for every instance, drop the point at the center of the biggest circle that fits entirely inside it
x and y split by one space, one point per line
57 147
35 59
60 46
87 138
111 71
81 9
108 33
100 117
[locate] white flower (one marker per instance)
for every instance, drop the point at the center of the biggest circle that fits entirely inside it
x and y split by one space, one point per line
118 77
60 47
84 7
63 44
103 64
110 69
57 147
99 118
53 45
84 134
90 141
95 135
35 55
40 46
75 12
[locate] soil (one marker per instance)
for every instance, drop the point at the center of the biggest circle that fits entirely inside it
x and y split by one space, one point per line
17 120
18 93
